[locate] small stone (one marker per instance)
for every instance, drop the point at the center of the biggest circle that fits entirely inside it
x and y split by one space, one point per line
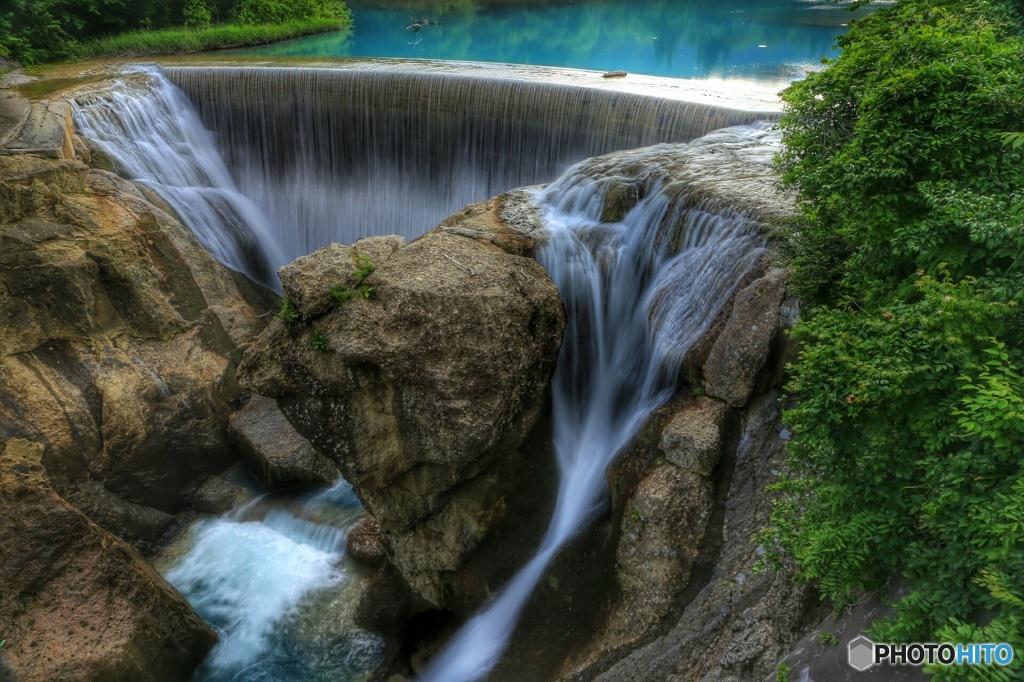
216 496
364 545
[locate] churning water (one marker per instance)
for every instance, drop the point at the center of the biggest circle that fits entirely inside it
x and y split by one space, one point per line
272 580
637 294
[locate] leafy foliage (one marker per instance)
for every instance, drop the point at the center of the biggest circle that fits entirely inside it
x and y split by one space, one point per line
196 14
317 340
282 11
908 396
355 285
288 313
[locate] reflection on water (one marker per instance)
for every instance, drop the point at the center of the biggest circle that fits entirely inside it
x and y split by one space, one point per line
766 39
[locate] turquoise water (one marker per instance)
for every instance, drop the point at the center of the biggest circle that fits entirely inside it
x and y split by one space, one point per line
755 39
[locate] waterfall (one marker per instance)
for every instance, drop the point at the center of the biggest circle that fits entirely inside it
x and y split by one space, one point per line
637 293
339 154
268 164
152 132
255 575
298 158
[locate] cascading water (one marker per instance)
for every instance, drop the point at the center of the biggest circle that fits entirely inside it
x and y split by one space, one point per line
299 158
269 578
340 154
153 133
637 293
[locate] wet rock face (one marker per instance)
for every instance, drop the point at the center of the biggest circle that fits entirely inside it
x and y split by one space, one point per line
424 388
119 338
76 603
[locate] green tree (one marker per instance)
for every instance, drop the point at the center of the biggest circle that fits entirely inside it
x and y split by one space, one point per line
196 14
908 401
282 11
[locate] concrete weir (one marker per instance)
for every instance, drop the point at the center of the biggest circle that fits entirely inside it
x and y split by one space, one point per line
334 154
41 128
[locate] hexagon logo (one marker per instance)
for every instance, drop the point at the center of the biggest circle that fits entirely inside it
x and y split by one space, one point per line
862 653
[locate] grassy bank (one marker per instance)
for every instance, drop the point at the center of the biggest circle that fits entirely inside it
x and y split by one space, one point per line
49 31
187 40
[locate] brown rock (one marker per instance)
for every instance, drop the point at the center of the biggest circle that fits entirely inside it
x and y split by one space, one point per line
216 496
741 351
740 622
427 385
662 532
76 603
133 522
119 337
274 451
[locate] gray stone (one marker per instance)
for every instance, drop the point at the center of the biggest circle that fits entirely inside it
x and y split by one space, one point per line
274 451
693 437
850 656
47 130
662 532
733 628
741 351
307 281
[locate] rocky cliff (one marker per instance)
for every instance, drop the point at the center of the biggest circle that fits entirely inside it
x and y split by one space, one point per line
119 341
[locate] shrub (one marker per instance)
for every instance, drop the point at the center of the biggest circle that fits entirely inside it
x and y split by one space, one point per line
196 14
355 286
907 394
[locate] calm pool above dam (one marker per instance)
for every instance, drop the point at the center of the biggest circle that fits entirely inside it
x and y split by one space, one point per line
770 40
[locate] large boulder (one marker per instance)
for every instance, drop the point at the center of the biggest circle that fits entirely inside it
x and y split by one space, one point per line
77 603
119 338
422 382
